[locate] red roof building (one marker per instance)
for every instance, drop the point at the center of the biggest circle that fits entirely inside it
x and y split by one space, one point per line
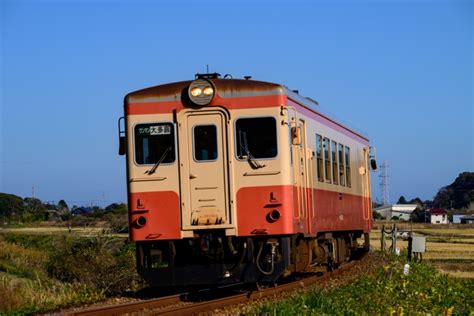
438 211
438 216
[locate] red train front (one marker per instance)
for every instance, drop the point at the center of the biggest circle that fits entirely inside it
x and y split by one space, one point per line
240 181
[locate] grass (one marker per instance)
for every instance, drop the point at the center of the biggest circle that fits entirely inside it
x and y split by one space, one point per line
388 292
77 231
445 244
26 296
44 272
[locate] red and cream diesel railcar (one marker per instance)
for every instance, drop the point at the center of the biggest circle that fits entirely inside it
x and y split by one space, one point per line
234 180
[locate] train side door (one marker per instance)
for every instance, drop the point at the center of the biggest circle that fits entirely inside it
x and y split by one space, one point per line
364 172
301 182
205 201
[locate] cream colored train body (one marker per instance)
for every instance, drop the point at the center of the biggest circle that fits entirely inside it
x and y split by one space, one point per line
240 181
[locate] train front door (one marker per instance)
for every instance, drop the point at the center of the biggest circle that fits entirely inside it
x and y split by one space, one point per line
205 201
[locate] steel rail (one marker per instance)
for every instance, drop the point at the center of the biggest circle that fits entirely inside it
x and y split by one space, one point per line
149 307
127 307
248 297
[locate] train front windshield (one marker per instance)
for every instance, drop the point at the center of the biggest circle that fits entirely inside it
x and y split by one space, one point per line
256 136
154 142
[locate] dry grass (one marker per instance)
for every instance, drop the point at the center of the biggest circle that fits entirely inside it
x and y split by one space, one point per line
80 231
445 244
458 274
25 296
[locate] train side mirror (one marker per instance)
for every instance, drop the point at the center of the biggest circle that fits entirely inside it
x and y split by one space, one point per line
296 135
373 160
122 138
122 145
373 164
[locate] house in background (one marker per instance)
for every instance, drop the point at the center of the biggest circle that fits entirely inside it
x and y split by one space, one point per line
438 216
402 211
467 219
457 218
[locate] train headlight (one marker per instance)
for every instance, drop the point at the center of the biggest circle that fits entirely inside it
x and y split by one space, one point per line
195 92
208 91
201 92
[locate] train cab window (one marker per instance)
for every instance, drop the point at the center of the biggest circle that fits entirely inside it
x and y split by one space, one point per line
342 175
205 142
154 143
319 157
335 169
348 165
327 160
256 137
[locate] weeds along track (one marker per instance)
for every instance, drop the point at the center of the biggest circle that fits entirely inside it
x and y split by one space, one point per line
183 304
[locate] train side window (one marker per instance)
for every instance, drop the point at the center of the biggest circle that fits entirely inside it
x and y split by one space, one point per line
348 165
342 175
319 157
327 160
335 169
205 142
256 137
154 142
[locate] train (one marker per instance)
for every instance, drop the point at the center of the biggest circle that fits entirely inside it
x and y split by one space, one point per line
240 181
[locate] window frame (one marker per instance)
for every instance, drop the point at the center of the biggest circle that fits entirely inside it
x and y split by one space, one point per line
277 134
342 165
335 163
327 160
134 145
194 144
347 154
320 158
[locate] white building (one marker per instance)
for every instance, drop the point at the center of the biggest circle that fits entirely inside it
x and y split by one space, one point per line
438 216
457 218
402 211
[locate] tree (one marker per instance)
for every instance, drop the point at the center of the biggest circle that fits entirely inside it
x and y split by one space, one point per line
34 209
377 216
416 201
402 200
115 208
10 205
418 216
62 205
458 194
443 198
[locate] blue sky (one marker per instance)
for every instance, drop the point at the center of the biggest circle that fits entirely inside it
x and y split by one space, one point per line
399 70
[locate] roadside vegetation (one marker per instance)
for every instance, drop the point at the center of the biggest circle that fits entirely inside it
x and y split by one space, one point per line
387 292
40 273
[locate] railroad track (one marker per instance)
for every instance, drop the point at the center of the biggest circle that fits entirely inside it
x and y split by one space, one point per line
174 305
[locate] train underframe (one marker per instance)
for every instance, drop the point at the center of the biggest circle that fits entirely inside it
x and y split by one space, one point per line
211 258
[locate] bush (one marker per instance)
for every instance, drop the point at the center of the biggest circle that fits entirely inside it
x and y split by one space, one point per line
102 263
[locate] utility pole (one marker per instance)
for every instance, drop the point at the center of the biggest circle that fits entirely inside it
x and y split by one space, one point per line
384 183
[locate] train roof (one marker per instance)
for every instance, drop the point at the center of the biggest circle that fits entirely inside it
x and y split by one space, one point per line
228 88
225 87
